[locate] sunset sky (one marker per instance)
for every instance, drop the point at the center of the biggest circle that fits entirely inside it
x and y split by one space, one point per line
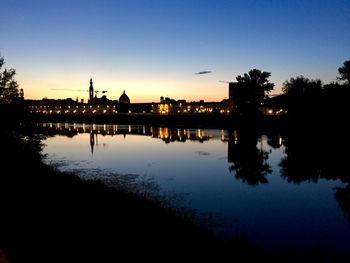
153 48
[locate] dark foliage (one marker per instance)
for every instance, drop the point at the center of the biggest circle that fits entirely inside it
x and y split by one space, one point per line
253 89
304 97
344 72
8 86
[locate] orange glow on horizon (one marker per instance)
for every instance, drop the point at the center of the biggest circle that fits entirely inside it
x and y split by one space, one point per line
138 92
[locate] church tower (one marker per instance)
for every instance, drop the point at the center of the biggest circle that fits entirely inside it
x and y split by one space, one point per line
91 91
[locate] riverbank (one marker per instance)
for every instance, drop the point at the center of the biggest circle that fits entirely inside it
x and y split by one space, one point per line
218 121
50 216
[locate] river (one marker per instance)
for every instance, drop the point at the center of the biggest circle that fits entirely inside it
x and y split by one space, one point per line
239 180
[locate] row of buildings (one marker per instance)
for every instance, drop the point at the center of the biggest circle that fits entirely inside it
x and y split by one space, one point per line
165 106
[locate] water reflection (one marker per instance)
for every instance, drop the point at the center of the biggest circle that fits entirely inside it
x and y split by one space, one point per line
249 162
309 155
315 154
166 134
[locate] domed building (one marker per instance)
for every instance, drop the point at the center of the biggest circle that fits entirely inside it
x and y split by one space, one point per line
124 99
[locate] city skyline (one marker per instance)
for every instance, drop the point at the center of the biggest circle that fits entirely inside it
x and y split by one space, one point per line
159 48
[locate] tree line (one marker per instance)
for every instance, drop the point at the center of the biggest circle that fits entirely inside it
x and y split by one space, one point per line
301 96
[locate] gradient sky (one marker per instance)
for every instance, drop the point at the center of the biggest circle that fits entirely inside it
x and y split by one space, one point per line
152 48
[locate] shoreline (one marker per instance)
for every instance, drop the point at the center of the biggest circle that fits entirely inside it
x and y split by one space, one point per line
220 121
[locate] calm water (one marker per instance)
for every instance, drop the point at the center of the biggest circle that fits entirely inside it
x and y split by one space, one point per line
243 180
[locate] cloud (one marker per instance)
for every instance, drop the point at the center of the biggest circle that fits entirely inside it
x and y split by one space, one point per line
203 72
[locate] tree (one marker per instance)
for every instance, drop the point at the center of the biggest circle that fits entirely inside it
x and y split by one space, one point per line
303 96
344 72
8 86
253 87
301 86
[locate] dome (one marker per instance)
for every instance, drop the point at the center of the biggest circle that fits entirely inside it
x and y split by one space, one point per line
124 98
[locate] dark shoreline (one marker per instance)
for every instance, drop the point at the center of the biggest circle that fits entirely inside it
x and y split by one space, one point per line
209 121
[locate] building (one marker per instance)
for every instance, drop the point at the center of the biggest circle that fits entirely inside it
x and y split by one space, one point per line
166 106
91 91
124 99
169 106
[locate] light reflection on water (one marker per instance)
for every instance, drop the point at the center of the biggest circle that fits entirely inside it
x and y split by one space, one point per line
232 174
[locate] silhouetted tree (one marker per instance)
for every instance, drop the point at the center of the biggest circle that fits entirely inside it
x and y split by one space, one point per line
8 86
303 96
344 72
254 87
336 100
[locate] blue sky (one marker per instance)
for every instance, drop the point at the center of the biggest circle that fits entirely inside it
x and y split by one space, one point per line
152 48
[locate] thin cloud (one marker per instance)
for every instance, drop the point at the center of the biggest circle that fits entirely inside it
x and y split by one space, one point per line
203 72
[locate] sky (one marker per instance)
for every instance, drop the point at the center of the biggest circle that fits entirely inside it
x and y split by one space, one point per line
153 48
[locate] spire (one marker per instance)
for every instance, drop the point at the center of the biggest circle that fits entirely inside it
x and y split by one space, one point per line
91 91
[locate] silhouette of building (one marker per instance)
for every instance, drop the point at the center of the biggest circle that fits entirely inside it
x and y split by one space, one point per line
124 99
91 91
21 94
166 106
169 106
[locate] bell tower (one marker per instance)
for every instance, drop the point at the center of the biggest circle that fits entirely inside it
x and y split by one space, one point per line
91 91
